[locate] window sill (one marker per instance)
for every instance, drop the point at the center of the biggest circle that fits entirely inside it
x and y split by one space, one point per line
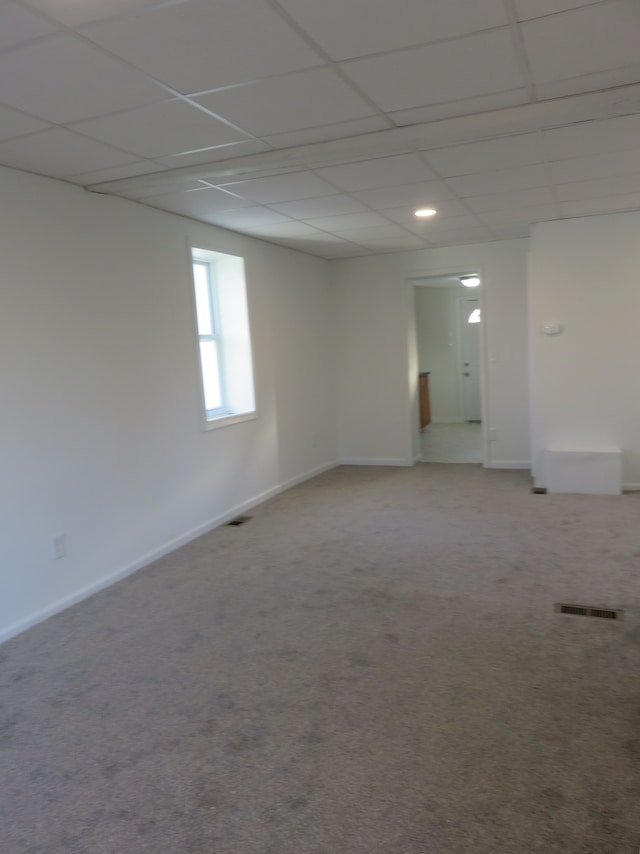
228 420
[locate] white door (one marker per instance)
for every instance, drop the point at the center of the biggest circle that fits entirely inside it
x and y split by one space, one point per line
469 319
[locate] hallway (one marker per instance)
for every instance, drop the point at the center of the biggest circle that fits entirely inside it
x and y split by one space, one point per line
451 443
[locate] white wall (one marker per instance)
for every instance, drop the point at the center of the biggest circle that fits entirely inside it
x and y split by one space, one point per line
437 325
374 314
584 274
377 381
100 427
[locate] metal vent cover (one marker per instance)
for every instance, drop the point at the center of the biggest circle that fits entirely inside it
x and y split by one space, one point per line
589 611
239 520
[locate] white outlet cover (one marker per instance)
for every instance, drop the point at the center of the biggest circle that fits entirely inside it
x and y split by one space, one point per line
552 328
58 546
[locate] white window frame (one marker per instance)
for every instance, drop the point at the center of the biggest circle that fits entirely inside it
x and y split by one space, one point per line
230 330
215 337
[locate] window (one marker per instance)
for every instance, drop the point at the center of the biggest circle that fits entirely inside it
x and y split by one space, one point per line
224 340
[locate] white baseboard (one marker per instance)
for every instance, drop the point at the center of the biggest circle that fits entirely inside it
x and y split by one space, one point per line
365 461
447 421
631 487
508 464
153 555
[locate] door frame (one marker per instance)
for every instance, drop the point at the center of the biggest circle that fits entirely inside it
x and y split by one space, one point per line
458 271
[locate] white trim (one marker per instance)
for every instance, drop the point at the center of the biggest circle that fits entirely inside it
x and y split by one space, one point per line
155 554
447 421
631 487
483 364
365 461
228 420
508 464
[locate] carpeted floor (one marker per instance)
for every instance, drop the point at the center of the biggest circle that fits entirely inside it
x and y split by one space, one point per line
371 665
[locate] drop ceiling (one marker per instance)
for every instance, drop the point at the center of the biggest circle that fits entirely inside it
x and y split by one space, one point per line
322 124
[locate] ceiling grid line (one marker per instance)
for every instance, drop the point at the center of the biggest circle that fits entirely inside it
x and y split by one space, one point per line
324 128
335 66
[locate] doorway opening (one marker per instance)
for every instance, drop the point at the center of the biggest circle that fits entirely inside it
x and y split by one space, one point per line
449 332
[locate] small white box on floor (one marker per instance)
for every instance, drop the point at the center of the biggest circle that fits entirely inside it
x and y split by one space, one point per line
586 472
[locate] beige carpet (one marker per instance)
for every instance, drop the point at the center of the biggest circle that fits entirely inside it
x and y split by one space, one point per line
372 665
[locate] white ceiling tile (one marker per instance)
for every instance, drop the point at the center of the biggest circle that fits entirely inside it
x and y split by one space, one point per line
73 13
510 232
198 203
288 103
405 243
326 132
280 188
518 216
588 83
527 9
583 41
342 250
160 129
462 107
488 155
114 173
247 218
429 227
609 204
288 229
18 25
380 172
592 137
325 206
420 193
162 185
503 180
405 215
595 166
13 123
439 72
599 187
373 232
346 222
322 238
463 235
59 153
517 199
199 45
241 148
360 27
61 79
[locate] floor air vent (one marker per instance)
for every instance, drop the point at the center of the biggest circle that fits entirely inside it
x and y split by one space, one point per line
239 520
585 611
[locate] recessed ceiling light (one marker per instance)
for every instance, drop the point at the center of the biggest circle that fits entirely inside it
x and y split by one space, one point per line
426 212
470 281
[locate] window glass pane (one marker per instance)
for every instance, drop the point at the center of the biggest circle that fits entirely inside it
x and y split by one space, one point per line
210 375
203 303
